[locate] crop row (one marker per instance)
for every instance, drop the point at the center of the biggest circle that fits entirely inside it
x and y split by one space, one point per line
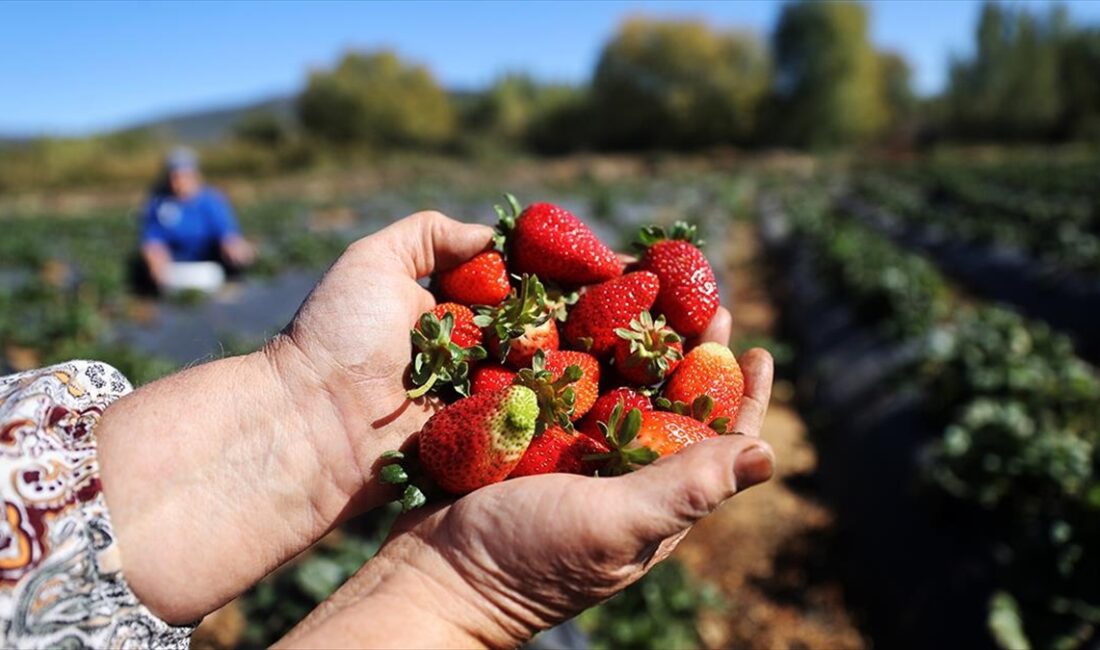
1063 233
1014 415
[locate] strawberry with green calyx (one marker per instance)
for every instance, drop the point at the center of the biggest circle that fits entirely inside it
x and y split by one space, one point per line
688 297
447 342
587 387
558 450
605 404
547 240
700 409
521 325
488 377
478 440
603 308
482 280
555 392
647 351
711 370
640 438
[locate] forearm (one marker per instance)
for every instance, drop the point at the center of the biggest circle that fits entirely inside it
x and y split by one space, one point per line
220 473
157 258
406 597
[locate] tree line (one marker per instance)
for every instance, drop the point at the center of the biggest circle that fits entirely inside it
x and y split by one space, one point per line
680 85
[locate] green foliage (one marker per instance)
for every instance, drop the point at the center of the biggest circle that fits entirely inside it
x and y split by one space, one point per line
678 84
657 612
1031 77
376 99
262 128
829 82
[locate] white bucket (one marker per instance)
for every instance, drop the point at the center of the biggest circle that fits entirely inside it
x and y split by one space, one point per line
206 277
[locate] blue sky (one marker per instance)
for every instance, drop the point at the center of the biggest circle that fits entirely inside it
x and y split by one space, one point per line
72 68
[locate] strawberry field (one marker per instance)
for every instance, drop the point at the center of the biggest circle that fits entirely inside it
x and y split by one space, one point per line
937 409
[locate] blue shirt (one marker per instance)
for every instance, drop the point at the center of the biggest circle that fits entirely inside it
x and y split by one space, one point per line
192 229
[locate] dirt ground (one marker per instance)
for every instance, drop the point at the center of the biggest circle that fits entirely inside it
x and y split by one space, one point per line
767 550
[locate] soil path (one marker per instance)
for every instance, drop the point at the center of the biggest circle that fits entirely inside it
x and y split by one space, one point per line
768 550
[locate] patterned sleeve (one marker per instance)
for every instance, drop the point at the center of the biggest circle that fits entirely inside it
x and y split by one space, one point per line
61 583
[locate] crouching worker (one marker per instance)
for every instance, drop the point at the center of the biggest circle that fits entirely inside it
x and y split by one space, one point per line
190 238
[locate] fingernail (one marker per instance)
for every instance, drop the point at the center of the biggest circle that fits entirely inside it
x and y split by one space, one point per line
753 466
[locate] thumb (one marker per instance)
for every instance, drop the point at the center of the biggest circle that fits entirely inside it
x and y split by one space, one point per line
429 241
675 492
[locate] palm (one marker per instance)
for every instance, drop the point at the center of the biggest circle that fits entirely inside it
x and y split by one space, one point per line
567 542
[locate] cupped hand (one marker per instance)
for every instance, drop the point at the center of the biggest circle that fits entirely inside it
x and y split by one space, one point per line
350 342
513 558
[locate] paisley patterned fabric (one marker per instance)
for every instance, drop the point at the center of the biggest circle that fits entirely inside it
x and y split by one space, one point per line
61 583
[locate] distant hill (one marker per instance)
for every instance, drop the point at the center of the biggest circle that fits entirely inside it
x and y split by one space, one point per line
214 124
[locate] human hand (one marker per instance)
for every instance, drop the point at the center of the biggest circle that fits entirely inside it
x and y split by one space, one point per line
516 557
237 251
265 453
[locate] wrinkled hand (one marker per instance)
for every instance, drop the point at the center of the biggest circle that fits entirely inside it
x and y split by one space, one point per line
350 339
533 552
508 560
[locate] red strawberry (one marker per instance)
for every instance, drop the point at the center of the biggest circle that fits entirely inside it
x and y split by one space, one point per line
482 280
640 438
478 440
447 341
550 242
689 293
521 325
585 389
603 308
709 370
555 392
488 377
648 351
558 450
465 334
601 410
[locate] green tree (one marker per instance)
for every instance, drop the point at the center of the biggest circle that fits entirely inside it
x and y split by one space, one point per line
678 84
829 86
261 127
1012 86
518 108
377 100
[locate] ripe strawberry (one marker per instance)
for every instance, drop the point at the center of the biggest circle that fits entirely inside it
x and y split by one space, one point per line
648 351
465 334
447 342
488 377
709 370
555 392
601 410
550 242
585 389
478 440
558 450
603 308
689 293
482 280
639 438
521 325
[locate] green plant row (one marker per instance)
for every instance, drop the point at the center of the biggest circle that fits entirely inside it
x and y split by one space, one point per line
1020 418
1063 235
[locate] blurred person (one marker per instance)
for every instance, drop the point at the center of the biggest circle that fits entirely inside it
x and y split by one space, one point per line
130 515
186 223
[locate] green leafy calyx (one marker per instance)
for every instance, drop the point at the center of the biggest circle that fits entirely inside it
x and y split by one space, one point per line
439 361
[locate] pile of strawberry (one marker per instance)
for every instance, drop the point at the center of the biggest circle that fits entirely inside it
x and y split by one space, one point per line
556 356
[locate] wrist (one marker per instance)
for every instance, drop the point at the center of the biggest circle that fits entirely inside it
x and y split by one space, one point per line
406 582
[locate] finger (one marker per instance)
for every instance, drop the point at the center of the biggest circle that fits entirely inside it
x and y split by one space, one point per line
758 369
719 329
675 492
430 241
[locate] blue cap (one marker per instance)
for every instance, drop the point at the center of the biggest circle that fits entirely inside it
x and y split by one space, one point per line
182 159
